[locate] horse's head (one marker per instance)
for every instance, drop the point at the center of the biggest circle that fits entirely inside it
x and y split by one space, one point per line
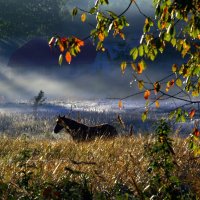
60 124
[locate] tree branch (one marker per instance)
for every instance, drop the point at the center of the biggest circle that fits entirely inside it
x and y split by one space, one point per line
178 98
143 14
131 1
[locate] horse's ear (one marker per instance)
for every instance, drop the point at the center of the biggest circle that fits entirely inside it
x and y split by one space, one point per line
58 116
63 116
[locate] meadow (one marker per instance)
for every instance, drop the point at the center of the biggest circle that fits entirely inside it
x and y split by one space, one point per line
36 164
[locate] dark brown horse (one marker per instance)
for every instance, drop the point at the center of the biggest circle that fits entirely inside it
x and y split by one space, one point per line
80 131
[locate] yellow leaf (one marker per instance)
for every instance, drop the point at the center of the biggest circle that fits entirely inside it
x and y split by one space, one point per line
123 66
157 104
174 68
146 21
83 17
140 84
77 48
196 152
120 104
101 37
122 36
195 93
133 66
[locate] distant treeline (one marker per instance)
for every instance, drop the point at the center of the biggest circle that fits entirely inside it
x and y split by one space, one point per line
26 19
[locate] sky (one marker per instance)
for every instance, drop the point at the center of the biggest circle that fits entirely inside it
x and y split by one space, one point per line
102 79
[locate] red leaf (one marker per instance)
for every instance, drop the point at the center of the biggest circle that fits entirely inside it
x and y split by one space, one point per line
68 57
169 85
171 82
196 132
61 47
147 94
63 39
192 113
79 42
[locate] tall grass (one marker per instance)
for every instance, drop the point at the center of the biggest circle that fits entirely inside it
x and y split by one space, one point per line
103 163
35 164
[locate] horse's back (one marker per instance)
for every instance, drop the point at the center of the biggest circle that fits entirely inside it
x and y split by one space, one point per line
103 130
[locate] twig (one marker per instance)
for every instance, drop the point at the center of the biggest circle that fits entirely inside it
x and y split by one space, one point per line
82 162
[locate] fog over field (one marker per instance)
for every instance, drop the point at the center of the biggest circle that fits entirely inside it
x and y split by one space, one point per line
101 78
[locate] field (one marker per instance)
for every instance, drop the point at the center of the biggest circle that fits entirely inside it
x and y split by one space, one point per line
30 167
36 164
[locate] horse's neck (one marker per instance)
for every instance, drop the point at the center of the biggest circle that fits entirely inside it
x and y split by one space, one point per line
73 124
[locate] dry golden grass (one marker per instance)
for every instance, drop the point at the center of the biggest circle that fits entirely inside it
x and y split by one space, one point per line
104 161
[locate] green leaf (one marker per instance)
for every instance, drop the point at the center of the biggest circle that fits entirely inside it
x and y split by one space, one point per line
172 114
167 37
60 60
112 14
151 55
92 10
74 12
173 42
146 50
141 50
150 21
146 28
144 116
179 82
183 118
104 2
134 53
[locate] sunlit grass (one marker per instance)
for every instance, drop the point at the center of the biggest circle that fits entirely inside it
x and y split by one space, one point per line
104 162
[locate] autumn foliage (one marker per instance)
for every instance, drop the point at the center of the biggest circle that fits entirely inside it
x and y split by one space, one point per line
67 46
175 24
